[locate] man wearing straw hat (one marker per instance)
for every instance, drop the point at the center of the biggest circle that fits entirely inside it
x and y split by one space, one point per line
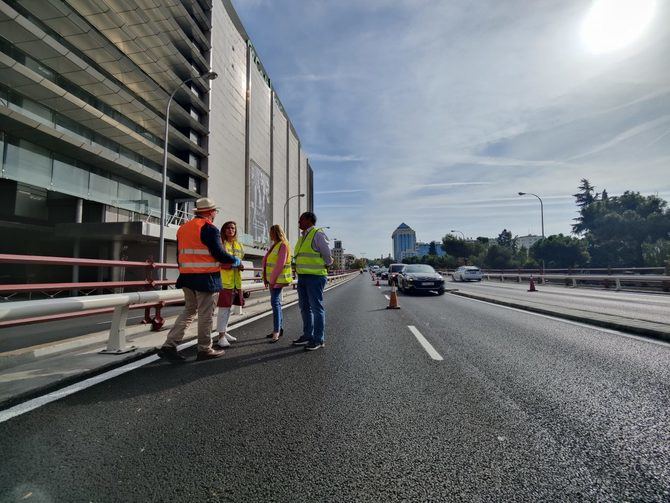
200 254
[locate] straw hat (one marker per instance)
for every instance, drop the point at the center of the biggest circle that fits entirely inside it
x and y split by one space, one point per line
205 204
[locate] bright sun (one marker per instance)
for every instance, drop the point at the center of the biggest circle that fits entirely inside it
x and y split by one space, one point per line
614 24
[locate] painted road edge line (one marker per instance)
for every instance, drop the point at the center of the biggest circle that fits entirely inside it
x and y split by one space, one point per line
39 401
425 344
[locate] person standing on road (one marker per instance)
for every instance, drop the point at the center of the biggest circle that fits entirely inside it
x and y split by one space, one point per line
231 281
276 275
199 254
312 256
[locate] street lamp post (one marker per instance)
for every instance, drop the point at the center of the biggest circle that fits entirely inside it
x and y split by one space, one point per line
461 233
286 209
541 207
161 239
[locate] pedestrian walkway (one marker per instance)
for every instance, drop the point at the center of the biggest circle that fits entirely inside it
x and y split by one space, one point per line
642 314
27 372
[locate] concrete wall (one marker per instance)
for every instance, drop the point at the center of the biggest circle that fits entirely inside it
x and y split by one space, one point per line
280 151
228 118
293 187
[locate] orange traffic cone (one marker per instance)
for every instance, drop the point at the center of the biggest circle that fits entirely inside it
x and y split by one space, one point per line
531 287
393 299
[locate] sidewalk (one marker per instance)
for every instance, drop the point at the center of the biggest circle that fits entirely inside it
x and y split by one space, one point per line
654 330
28 372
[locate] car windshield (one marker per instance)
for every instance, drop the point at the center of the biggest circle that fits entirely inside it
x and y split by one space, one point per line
419 268
396 268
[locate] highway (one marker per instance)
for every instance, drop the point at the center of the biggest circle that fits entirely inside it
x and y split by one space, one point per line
520 407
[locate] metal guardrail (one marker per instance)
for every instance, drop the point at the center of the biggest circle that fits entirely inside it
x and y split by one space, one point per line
121 303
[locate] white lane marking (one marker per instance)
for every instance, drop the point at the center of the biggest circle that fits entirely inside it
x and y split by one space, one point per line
29 405
387 297
425 344
576 323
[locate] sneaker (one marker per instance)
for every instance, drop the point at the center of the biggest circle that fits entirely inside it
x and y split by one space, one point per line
223 342
170 354
313 346
230 338
301 341
210 354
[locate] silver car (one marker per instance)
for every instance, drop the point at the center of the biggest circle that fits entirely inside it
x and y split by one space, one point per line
467 273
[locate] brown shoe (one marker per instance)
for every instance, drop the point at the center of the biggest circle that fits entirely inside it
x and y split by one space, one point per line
210 354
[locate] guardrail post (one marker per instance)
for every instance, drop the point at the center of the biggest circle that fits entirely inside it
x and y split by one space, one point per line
574 282
116 344
617 284
157 322
666 284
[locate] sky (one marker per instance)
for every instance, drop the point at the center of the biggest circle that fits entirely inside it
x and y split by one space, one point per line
436 113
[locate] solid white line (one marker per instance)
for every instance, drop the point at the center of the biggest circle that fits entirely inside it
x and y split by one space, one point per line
29 405
576 323
425 344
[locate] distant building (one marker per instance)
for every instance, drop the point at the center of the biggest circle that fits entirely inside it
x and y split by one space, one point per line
424 249
338 255
404 242
526 241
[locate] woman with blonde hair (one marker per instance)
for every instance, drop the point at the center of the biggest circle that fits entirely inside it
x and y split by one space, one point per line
231 281
276 275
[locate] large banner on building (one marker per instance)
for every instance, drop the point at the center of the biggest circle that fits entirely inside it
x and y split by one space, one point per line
260 207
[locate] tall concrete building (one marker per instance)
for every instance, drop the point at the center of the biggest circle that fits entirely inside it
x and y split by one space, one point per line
84 86
404 242
338 255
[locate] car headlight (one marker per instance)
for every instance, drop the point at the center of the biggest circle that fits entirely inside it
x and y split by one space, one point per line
410 279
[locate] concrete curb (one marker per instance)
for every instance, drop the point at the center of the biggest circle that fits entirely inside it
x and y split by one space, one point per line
601 320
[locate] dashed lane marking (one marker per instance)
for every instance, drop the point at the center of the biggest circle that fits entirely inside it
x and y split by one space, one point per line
425 344
387 297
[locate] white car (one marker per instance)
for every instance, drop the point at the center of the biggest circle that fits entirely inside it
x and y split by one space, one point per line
467 273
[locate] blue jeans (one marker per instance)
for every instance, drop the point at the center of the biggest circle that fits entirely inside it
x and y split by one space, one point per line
310 298
275 302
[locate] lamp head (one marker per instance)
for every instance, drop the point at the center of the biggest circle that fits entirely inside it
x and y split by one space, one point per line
209 75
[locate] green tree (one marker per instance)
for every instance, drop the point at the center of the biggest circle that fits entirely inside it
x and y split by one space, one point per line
455 247
432 249
559 251
505 239
498 257
656 254
617 228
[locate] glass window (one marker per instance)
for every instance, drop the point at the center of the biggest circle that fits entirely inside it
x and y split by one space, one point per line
31 108
153 201
130 198
27 162
68 178
72 127
103 189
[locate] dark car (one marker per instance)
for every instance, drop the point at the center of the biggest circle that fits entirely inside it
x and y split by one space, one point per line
394 270
384 273
420 278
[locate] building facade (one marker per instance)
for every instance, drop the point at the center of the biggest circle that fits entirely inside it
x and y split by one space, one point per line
527 241
423 249
338 255
84 86
404 242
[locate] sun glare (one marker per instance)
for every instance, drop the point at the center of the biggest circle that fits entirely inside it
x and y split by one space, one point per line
614 24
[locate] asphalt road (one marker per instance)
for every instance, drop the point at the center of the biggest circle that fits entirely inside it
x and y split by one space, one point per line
521 408
654 307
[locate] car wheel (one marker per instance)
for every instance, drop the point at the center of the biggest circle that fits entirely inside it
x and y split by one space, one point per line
246 295
440 291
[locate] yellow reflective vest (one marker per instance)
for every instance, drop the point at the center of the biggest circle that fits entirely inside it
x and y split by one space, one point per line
307 259
232 278
286 275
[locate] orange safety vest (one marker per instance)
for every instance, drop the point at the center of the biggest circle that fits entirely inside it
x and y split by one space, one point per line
192 254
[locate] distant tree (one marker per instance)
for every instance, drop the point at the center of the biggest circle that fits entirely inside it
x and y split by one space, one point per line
559 251
432 249
498 257
586 196
505 239
617 228
656 254
455 247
